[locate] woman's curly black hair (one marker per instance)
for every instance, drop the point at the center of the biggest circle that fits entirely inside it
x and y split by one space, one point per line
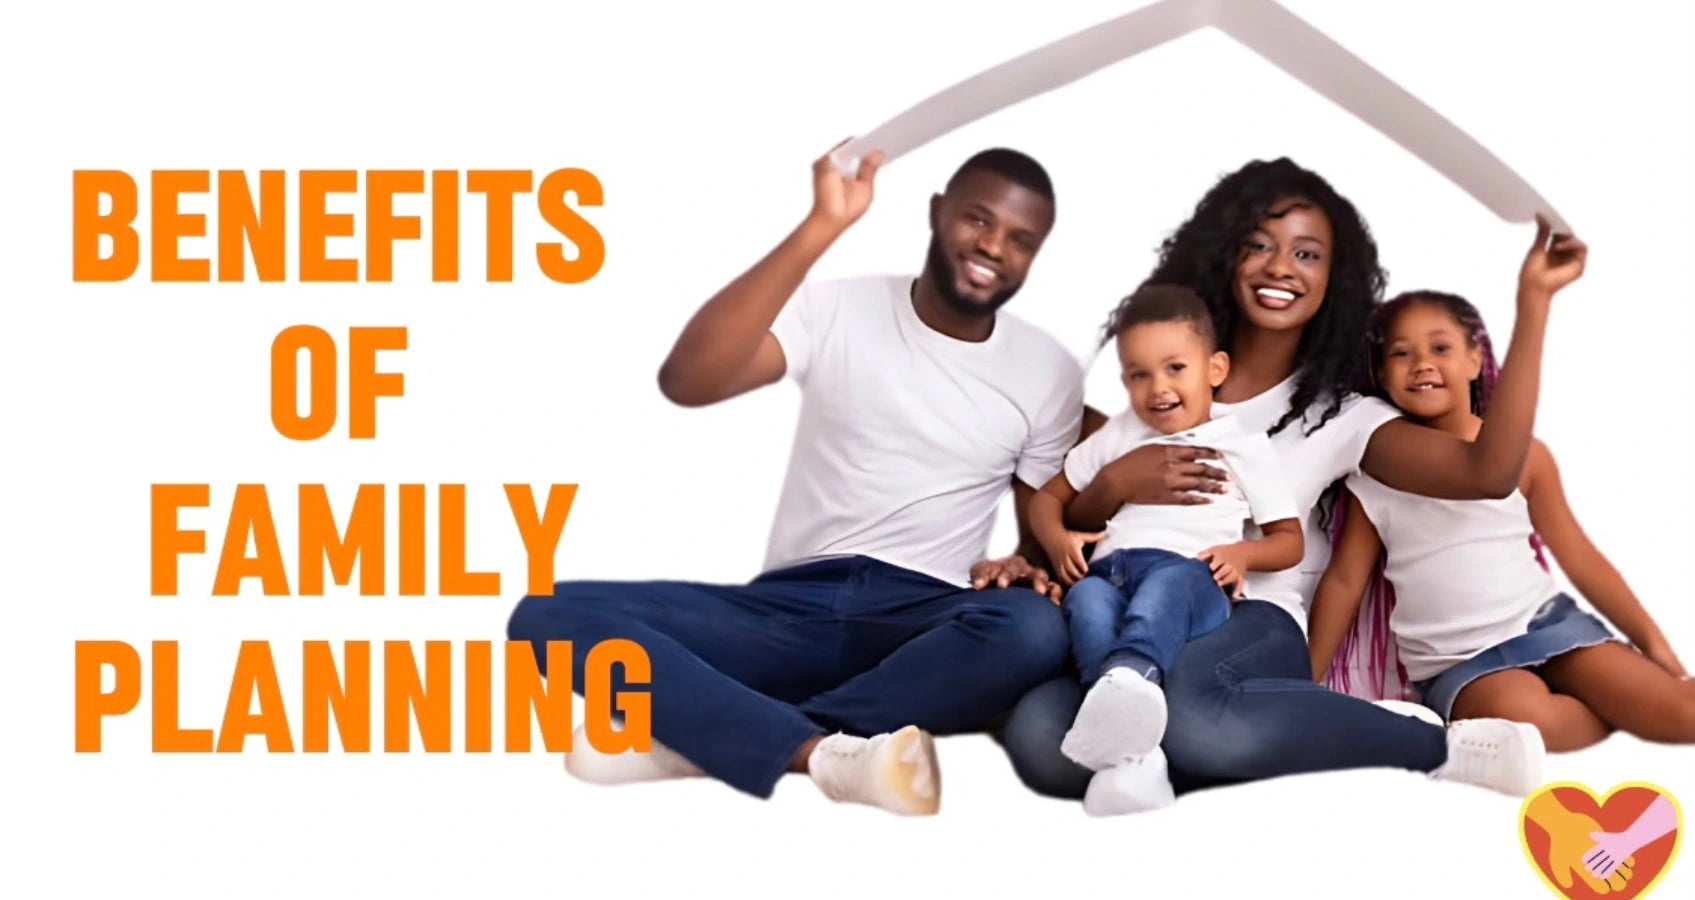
1203 254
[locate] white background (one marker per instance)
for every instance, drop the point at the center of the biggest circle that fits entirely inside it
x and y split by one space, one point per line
701 121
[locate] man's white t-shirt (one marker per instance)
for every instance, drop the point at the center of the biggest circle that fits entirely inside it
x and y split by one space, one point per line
1257 491
1311 463
908 439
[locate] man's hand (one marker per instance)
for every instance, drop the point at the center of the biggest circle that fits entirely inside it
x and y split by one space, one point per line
1229 567
1014 570
837 200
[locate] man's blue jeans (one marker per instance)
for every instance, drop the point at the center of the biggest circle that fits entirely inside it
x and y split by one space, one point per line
1138 607
744 675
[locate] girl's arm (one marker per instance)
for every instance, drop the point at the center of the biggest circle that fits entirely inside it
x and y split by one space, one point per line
1430 463
1589 571
1337 599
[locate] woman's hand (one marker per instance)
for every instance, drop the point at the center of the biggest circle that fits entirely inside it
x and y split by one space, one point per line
1165 474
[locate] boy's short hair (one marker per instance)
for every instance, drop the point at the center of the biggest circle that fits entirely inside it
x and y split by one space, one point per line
1166 303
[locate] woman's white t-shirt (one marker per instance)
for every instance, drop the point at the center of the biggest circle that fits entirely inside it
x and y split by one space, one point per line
1312 462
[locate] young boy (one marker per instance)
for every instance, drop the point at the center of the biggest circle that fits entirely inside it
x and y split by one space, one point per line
1158 574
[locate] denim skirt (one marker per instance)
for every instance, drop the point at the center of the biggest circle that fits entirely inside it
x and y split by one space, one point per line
1559 627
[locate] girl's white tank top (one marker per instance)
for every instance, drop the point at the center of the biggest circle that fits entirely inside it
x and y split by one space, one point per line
1465 573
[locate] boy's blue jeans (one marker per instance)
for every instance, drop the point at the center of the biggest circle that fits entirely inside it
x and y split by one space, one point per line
1139 607
744 675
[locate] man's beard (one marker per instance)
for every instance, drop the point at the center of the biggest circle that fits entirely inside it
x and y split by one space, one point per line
944 273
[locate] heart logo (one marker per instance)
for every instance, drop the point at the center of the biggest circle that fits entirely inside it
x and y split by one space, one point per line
1616 847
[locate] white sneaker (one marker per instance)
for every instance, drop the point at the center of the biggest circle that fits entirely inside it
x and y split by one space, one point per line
896 771
1412 710
1494 753
1140 785
591 765
1122 717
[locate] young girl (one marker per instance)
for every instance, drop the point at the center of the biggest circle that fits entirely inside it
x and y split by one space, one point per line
1480 625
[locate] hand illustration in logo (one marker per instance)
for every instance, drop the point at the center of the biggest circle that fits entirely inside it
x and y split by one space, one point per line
1584 847
1569 836
1612 851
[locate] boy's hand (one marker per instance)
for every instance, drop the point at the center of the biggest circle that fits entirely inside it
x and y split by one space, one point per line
1551 265
1065 554
1228 567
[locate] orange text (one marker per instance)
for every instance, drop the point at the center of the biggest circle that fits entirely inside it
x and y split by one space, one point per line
323 546
112 231
416 698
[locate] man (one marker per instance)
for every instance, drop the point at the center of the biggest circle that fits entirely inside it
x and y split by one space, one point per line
921 404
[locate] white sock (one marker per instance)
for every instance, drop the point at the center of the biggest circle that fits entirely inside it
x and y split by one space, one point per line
1139 785
1122 717
591 765
1494 753
896 771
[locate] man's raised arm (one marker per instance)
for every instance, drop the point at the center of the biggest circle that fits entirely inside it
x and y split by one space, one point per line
727 349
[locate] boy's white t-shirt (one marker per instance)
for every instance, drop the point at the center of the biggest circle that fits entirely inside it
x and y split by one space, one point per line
908 439
1257 491
1311 463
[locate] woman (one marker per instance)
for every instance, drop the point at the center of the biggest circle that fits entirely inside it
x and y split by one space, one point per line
1290 273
